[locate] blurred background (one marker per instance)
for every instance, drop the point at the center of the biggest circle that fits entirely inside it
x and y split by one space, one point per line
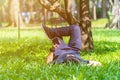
29 13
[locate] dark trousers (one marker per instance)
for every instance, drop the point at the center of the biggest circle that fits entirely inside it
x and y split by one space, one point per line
75 36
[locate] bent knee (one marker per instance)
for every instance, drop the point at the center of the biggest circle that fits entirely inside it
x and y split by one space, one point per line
75 27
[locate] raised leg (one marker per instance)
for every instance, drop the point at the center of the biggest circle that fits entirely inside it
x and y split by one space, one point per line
75 35
73 31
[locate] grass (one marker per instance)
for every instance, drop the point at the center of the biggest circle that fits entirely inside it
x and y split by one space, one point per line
25 59
99 23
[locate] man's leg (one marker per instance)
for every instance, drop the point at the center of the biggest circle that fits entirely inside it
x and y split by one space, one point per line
75 38
57 32
73 31
75 35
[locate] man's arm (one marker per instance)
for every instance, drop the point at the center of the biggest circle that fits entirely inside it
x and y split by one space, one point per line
51 54
49 58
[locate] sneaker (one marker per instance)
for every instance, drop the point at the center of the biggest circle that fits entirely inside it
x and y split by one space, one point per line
47 31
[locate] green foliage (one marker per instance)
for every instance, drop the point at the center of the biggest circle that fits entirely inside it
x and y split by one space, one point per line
26 60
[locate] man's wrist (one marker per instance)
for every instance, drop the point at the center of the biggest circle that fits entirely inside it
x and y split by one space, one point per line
52 49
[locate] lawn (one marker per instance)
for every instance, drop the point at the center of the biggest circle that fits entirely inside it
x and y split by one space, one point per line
24 59
97 23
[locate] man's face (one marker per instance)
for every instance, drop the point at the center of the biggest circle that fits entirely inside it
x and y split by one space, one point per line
55 41
55 45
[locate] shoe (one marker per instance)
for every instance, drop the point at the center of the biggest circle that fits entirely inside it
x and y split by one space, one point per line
47 31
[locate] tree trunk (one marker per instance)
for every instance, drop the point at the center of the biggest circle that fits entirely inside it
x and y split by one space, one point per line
104 10
14 14
116 14
0 17
3 14
87 41
69 16
0 23
1 2
94 9
31 3
78 9
45 15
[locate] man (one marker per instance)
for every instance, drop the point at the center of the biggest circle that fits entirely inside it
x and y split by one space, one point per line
61 52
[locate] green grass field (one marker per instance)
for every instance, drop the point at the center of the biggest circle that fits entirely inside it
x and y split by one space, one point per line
25 59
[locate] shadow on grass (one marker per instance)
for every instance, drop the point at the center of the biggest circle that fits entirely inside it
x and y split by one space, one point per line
103 47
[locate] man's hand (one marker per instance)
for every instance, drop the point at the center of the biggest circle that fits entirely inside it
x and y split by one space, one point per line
50 55
94 63
49 58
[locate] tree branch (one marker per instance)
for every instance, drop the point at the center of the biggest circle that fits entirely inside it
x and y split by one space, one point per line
111 2
51 1
56 4
70 18
58 9
67 5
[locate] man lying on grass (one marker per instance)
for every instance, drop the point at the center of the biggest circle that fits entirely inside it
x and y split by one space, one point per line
61 52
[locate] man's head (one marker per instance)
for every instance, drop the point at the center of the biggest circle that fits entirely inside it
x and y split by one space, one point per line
55 41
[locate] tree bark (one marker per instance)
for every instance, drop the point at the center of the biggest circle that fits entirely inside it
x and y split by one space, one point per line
78 9
116 14
14 14
94 9
0 17
104 9
87 41
45 15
